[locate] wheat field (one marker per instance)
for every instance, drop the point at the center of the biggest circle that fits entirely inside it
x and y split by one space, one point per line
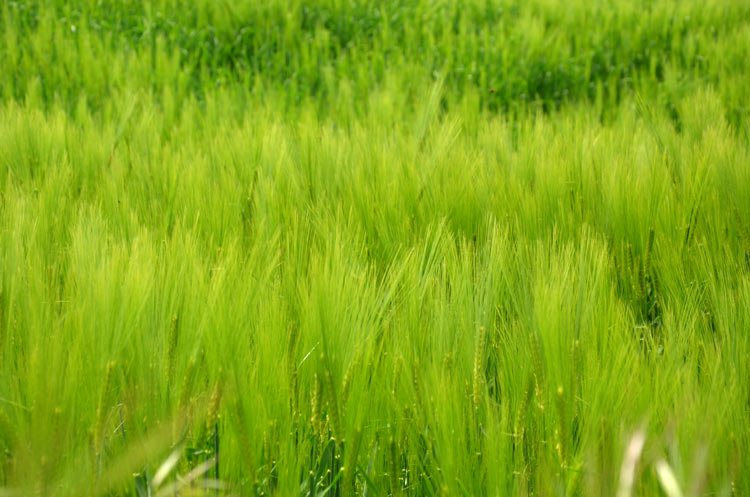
374 248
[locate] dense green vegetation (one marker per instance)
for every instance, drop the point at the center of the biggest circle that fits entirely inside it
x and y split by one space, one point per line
403 248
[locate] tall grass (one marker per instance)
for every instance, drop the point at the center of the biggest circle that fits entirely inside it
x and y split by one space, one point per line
374 248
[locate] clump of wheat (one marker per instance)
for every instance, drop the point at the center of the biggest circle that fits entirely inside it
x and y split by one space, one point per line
478 370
